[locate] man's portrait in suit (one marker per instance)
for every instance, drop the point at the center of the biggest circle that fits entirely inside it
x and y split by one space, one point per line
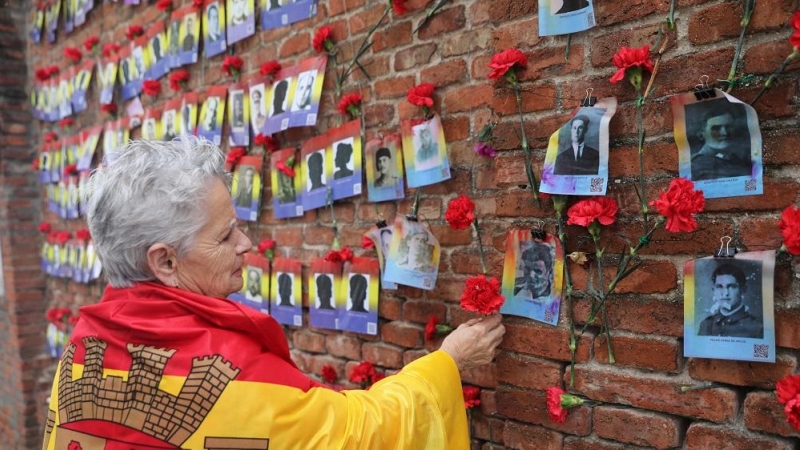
253 286
385 168
719 140
169 125
536 266
212 23
188 33
258 110
238 110
286 192
209 119
426 154
244 187
575 156
303 91
567 6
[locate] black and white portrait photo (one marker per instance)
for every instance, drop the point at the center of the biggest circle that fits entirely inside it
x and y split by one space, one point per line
728 300
719 139
579 143
534 270
426 145
252 288
303 91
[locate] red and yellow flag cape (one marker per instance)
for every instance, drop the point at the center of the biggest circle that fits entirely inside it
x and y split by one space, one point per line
154 367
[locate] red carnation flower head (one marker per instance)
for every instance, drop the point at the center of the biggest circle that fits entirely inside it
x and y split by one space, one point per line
559 402
460 212
178 80
73 54
350 104
788 388
232 66
472 396
630 62
198 4
347 254
52 71
66 122
593 212
794 39
421 95
367 243
679 204
364 374
323 39
164 5
790 229
45 227
151 87
109 108
235 155
399 6
286 167
70 169
329 374
268 142
35 163
267 248
433 328
50 137
505 63
270 69
133 32
91 44
482 295
42 74
333 256
110 49
83 234
62 237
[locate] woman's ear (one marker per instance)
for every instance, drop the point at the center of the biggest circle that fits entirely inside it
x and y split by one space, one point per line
162 261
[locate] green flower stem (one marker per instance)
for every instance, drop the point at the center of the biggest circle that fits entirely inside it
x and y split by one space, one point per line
354 63
469 425
749 6
795 53
697 387
415 205
567 48
525 147
671 15
480 244
598 253
573 344
640 143
430 14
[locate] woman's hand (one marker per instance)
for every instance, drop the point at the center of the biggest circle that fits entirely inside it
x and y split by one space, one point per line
472 344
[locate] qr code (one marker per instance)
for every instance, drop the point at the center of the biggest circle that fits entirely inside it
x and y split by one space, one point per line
427 282
336 323
596 185
548 316
372 328
311 119
284 123
284 19
750 185
357 188
298 320
298 210
445 172
760 351
250 30
590 19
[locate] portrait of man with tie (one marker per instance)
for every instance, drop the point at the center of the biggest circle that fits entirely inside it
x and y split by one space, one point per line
575 156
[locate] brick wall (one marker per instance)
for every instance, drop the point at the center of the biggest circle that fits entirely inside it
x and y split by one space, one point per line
642 404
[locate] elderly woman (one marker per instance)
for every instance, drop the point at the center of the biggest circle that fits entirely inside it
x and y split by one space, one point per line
165 361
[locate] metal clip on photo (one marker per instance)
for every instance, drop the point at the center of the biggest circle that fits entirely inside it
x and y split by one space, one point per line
588 100
538 232
703 91
725 249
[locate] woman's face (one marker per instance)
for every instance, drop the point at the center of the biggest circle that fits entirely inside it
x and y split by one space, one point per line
213 266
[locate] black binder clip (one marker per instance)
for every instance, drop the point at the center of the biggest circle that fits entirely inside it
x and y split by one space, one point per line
703 91
589 100
381 224
725 249
538 233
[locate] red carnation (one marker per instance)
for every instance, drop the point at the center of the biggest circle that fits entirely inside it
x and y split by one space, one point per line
323 39
45 227
399 7
83 234
787 388
198 4
554 409
110 108
232 66
504 61
285 168
433 328
270 68
151 87
367 243
178 80
73 54
70 169
364 374
630 62
329 374
350 104
164 5
62 237
794 39
790 229
35 164
333 256
268 142
421 95
587 211
472 396
42 74
460 212
52 71
267 248
110 49
91 43
347 254
50 137
679 204
235 155
133 32
482 295
66 122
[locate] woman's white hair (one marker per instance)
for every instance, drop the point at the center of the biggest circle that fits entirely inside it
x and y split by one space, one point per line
152 192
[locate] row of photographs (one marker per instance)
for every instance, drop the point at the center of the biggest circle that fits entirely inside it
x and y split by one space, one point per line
225 22
75 259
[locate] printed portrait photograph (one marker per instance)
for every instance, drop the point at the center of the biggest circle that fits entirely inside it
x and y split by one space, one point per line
285 290
237 100
358 292
285 192
174 38
579 144
139 63
189 32
302 97
567 6
534 271
258 108
238 11
416 250
279 96
157 50
252 285
323 297
728 297
169 124
426 145
385 167
212 26
719 139
150 129
315 171
208 116
245 181
343 159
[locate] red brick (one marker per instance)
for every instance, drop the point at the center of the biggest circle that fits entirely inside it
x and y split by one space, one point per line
467 98
389 308
640 352
656 393
516 370
542 340
538 97
531 407
517 35
639 315
787 328
414 56
526 437
742 373
295 45
337 7
394 87
382 355
762 412
484 376
605 47
637 427
420 310
573 443
615 12
703 436
765 58
467 41
777 102
507 10
308 341
455 128
444 21
650 278
682 73
365 19
402 334
344 346
778 194
445 73
392 36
